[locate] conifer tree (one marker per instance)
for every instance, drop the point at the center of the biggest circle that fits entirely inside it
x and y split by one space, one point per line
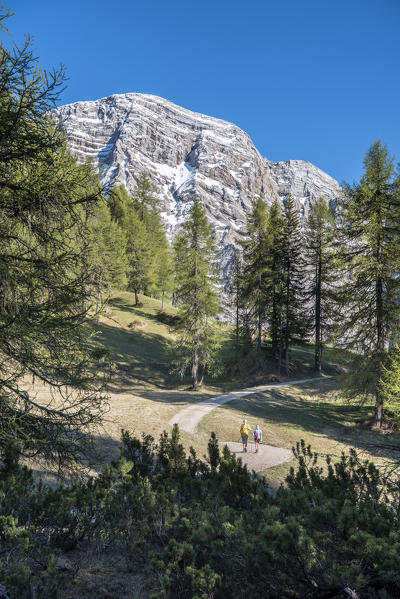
370 232
119 202
256 267
236 293
164 272
294 308
138 251
46 279
389 386
195 279
321 273
144 197
275 281
160 277
152 264
108 252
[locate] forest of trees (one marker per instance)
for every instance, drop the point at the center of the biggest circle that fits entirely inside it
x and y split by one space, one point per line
332 279
203 529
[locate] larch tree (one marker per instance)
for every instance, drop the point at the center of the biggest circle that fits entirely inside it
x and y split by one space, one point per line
144 196
295 313
322 273
195 291
370 234
108 249
138 253
235 292
46 279
275 281
164 272
256 266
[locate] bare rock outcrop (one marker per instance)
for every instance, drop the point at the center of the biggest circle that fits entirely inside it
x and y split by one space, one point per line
187 154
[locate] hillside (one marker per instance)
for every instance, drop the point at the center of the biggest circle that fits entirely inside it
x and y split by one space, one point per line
146 395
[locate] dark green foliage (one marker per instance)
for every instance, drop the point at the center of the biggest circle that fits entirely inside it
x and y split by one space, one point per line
136 238
48 287
144 197
214 530
108 249
148 253
272 284
195 279
256 271
322 273
276 283
370 237
295 312
390 386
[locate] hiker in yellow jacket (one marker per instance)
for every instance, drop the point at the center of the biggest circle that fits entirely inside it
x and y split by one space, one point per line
244 433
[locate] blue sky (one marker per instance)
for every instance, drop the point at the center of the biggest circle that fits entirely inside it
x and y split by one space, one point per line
316 80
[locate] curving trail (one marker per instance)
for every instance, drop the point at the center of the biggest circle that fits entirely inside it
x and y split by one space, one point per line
267 456
189 418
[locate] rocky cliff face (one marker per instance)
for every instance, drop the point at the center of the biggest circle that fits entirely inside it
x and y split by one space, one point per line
187 154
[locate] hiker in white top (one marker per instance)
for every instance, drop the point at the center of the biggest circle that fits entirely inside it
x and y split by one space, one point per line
257 434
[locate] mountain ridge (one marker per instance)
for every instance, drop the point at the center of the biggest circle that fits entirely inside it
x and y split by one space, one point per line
187 154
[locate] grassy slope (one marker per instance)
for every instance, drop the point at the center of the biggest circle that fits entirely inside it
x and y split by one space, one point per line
315 412
145 396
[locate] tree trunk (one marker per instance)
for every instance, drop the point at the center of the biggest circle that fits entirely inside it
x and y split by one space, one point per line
237 319
275 316
379 409
274 330
259 326
136 297
381 349
259 338
287 328
318 335
280 348
287 359
195 365
162 301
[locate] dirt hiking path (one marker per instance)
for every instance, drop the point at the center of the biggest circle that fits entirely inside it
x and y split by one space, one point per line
267 456
189 418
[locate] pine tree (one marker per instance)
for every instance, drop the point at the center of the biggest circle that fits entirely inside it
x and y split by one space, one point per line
389 386
294 307
195 279
152 265
370 233
108 249
119 203
164 273
256 266
46 280
236 293
322 272
144 197
138 251
160 277
275 281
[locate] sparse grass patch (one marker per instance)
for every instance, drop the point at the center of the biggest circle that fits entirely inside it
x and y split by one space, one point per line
315 412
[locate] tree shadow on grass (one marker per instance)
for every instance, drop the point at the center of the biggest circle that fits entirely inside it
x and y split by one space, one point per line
344 423
138 311
137 354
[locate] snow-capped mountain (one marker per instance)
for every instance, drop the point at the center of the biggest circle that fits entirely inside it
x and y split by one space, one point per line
187 155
